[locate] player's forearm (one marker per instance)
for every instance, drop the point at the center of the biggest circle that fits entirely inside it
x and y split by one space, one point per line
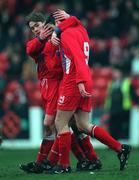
80 76
72 21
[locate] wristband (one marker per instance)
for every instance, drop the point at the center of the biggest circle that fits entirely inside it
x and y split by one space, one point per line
57 30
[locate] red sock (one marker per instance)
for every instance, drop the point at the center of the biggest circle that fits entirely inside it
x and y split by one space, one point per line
104 137
54 153
44 149
76 149
64 149
88 148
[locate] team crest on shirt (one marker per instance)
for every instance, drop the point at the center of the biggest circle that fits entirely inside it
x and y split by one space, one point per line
61 100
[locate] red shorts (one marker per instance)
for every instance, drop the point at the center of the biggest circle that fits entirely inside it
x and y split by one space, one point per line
70 98
50 91
72 103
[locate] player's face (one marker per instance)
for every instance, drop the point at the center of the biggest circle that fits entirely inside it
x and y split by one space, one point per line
36 27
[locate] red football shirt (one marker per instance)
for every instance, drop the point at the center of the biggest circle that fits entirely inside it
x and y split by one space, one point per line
47 58
75 55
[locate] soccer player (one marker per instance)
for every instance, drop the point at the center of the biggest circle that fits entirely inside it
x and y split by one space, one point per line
49 69
49 74
76 97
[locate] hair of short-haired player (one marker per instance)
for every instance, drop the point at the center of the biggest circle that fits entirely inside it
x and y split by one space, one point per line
39 17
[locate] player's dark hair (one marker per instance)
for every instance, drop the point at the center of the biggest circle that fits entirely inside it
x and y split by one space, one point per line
39 17
36 17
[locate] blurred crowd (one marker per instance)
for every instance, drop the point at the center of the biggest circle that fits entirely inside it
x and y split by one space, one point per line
113 28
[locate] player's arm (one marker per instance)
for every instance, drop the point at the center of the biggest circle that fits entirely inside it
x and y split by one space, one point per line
34 47
66 21
72 21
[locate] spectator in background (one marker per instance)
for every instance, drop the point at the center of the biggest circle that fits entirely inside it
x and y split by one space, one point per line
132 36
15 98
29 71
119 101
101 55
115 55
2 88
135 62
0 132
15 67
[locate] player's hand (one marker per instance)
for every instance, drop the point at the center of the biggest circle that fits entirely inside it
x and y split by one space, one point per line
54 39
46 31
82 90
60 15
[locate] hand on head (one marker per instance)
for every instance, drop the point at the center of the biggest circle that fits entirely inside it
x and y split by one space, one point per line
60 15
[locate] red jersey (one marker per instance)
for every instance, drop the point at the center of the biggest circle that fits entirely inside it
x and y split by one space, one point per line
72 21
75 55
47 58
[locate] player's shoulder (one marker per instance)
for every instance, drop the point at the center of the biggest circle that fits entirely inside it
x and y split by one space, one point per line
69 32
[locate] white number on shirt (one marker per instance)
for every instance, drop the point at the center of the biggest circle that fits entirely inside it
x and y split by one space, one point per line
86 51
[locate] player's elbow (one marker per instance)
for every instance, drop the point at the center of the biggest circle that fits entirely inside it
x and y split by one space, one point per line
29 51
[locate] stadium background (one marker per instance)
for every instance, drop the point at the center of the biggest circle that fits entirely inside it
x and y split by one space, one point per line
113 27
